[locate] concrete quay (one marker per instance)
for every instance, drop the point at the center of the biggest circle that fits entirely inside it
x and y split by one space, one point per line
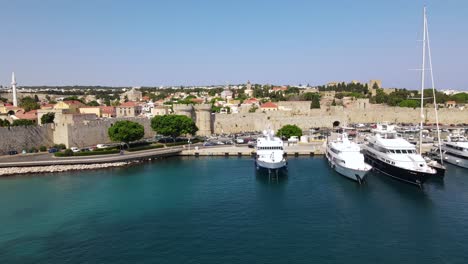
244 151
49 160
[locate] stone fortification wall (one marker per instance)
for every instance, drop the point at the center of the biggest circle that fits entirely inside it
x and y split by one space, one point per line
95 132
25 137
20 95
233 123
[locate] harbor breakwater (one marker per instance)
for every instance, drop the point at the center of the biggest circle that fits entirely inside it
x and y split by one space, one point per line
58 168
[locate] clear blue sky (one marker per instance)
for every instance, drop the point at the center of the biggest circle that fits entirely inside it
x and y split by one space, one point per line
175 42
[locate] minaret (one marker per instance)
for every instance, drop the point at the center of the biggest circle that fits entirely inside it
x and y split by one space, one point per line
13 88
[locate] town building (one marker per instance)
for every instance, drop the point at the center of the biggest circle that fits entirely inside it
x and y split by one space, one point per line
128 109
269 106
71 106
132 95
248 90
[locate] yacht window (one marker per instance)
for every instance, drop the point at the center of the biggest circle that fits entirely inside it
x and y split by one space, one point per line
398 151
403 151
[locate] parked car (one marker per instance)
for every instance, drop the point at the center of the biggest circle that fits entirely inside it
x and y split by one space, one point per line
53 150
12 152
75 149
240 141
209 144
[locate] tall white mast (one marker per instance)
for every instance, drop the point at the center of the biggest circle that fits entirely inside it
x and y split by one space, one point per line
13 88
422 80
433 91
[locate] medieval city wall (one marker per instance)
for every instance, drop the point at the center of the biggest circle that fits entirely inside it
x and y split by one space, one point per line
95 132
234 123
25 137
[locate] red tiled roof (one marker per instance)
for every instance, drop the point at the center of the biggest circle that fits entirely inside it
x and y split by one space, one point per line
197 100
129 104
251 101
280 88
47 106
108 109
269 105
31 115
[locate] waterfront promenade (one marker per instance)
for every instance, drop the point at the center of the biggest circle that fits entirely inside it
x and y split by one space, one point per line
47 159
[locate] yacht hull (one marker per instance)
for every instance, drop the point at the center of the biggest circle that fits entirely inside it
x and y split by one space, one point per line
456 160
353 174
409 176
259 165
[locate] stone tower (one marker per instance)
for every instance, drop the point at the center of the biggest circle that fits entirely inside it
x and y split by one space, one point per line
248 90
186 110
203 119
13 88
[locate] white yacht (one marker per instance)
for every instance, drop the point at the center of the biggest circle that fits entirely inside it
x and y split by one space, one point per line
396 157
270 152
455 151
345 157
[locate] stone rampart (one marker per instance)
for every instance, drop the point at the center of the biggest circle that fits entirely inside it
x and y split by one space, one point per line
25 137
95 132
233 123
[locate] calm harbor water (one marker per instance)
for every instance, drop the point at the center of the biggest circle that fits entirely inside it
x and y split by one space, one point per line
217 210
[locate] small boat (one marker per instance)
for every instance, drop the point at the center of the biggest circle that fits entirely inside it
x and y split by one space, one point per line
270 153
345 157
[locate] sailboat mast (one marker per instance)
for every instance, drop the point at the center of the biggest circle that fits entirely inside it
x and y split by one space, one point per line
422 80
434 91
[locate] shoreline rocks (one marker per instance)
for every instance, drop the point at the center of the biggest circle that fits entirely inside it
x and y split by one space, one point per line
58 168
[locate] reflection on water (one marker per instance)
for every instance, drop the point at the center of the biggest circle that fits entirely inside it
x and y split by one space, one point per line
272 177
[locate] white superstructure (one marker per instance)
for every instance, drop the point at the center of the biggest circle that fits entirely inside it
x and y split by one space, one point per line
270 152
345 157
455 151
395 156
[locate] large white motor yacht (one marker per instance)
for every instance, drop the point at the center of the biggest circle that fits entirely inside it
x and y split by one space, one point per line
270 152
396 157
345 157
455 151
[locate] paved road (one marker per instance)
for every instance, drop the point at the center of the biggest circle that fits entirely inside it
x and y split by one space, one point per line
48 159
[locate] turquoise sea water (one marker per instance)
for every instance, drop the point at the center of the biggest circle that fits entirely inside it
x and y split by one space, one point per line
217 210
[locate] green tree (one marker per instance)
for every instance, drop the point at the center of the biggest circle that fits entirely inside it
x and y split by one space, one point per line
93 103
48 118
409 103
288 131
4 123
126 131
36 98
23 122
315 102
173 125
73 98
28 103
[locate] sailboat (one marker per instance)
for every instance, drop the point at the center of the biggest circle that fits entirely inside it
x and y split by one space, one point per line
396 157
439 167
